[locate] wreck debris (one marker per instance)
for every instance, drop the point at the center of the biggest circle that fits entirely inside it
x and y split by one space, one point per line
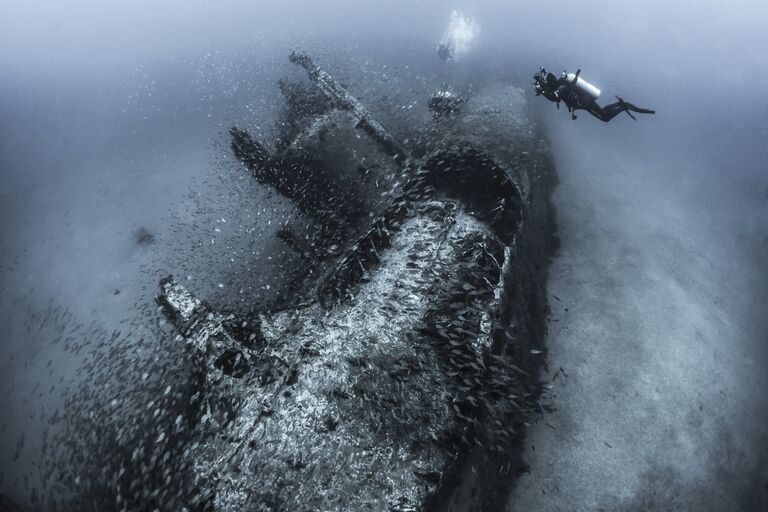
444 103
207 333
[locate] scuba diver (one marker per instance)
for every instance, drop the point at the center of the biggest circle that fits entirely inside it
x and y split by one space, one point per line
445 52
578 94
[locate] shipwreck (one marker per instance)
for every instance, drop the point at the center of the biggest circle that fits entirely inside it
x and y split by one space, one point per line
399 374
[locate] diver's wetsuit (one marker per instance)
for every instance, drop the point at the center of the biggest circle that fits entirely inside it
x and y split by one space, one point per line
611 110
561 89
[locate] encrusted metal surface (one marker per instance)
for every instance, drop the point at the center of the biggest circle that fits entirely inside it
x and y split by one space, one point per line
362 411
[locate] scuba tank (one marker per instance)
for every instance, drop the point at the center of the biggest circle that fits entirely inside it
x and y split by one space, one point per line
581 85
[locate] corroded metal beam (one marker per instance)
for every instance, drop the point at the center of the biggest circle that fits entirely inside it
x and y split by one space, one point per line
205 332
345 101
